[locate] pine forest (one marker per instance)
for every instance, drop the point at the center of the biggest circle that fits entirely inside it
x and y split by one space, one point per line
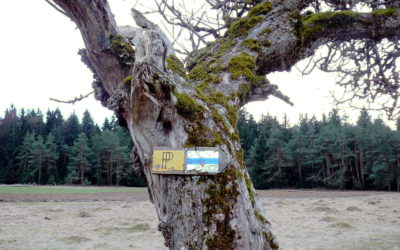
329 153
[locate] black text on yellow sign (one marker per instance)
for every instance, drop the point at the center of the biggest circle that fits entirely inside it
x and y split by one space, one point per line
168 160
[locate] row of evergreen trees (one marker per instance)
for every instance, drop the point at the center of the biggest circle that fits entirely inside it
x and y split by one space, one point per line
52 150
327 153
330 153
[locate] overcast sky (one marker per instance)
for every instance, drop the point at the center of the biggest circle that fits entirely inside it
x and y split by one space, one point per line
38 57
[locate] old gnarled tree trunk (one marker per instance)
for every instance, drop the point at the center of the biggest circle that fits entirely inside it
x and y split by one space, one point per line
162 103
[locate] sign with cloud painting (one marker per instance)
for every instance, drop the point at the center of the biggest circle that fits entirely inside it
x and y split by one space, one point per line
190 161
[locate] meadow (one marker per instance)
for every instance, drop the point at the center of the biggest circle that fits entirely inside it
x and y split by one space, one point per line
124 218
26 189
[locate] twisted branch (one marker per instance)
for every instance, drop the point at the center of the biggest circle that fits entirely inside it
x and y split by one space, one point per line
73 101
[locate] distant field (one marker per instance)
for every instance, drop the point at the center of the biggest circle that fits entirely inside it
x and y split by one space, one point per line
124 218
66 190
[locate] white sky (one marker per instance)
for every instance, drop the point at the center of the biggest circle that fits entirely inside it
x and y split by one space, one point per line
39 60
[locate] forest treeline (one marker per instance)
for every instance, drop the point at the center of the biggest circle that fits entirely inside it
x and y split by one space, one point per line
326 153
48 149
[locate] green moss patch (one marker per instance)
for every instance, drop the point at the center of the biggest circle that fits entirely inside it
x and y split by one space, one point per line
261 9
332 19
250 190
212 98
215 97
205 71
209 64
251 44
201 136
208 69
242 65
242 26
226 45
261 217
389 12
271 239
122 49
254 2
265 43
127 80
174 64
222 194
220 120
318 22
265 32
187 107
220 98
255 45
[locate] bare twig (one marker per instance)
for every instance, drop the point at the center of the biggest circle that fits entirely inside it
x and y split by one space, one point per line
366 70
200 23
73 101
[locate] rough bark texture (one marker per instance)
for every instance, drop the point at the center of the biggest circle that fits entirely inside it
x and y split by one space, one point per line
164 104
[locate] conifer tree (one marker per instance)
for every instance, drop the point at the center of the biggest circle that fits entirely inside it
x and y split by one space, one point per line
110 143
35 123
71 129
9 142
79 163
383 171
51 157
88 127
54 120
277 158
106 125
363 148
97 170
122 163
38 158
247 130
25 157
302 149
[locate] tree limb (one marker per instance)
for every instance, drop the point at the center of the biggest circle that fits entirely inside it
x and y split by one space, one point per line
56 8
345 26
308 33
262 92
73 101
99 32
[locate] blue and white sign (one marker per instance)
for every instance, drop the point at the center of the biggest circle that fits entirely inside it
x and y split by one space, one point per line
202 161
189 161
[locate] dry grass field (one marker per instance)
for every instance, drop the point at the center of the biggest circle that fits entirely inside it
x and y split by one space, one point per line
125 219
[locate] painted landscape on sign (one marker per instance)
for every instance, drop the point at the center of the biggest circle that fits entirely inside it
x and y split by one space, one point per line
202 161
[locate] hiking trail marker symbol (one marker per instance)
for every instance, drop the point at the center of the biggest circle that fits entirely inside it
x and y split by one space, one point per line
189 161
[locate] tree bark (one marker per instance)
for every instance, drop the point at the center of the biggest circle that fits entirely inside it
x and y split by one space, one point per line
164 104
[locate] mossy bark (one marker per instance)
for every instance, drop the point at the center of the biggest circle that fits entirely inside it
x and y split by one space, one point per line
164 104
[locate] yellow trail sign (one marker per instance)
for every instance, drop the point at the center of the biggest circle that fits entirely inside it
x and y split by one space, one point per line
168 160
